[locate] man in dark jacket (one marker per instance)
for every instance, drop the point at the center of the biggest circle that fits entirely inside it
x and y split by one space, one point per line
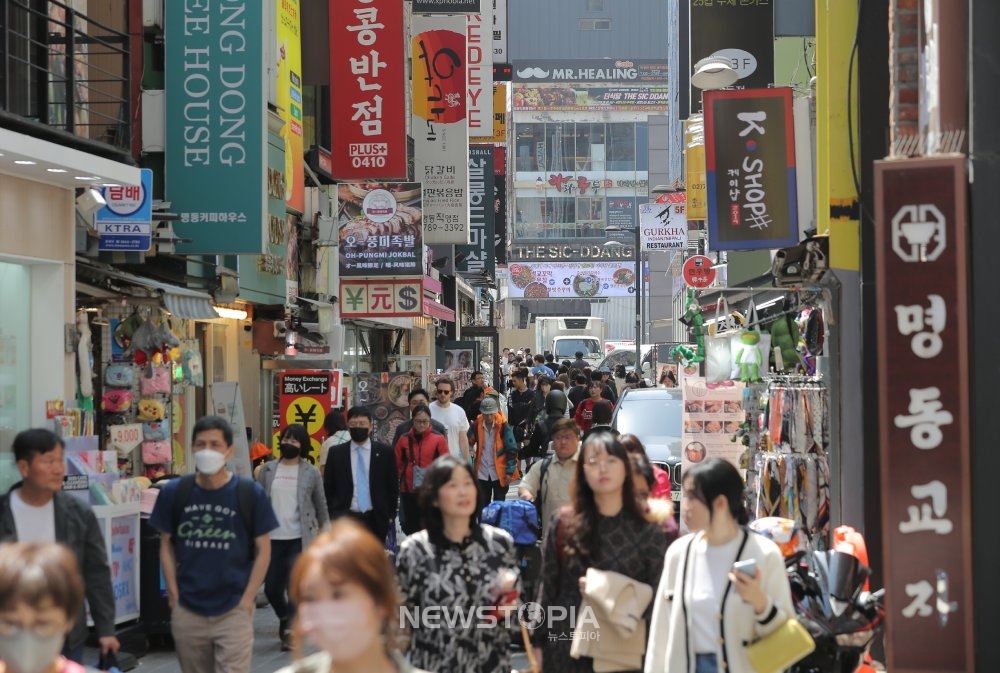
579 364
38 510
555 409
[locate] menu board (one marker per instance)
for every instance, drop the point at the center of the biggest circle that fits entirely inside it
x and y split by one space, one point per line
713 413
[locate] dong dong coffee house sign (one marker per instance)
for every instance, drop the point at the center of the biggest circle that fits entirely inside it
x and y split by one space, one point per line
571 252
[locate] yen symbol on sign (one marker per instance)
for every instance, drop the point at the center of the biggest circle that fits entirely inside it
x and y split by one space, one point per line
305 417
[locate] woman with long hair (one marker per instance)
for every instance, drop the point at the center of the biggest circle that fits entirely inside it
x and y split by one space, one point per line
660 488
348 604
456 563
335 427
705 612
415 451
659 510
605 529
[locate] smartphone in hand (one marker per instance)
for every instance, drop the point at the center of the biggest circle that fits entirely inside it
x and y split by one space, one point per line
747 567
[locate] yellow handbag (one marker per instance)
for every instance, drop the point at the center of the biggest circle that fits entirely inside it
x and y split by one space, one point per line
780 649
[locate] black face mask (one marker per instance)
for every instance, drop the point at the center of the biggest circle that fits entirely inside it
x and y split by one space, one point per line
359 435
289 450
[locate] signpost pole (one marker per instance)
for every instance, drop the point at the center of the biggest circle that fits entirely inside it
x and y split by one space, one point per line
638 301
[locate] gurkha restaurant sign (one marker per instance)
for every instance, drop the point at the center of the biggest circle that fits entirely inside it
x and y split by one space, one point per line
923 347
750 166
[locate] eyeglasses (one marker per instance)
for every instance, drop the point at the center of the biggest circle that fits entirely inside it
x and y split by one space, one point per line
442 391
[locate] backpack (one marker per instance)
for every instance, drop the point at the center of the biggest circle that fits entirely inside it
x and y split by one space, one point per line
517 517
244 500
540 498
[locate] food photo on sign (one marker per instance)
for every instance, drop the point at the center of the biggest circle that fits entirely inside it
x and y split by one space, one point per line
543 280
381 229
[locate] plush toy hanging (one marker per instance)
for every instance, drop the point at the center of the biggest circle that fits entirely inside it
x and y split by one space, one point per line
785 336
749 357
683 353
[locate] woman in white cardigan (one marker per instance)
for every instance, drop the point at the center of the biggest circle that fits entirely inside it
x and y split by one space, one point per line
704 612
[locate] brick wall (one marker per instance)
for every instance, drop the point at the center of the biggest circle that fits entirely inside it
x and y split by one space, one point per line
904 73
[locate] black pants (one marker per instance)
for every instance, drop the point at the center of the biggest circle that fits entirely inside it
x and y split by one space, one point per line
489 491
283 555
411 519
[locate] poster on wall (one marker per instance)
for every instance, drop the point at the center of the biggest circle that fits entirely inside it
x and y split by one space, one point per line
712 415
457 361
381 229
304 398
572 280
385 395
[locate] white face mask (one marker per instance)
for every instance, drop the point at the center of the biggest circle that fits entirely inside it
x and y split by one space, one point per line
209 462
25 651
335 627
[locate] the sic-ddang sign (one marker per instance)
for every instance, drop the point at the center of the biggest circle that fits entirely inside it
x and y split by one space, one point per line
570 252
750 169
923 345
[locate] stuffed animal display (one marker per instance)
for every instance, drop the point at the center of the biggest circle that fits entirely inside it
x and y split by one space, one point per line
684 353
749 357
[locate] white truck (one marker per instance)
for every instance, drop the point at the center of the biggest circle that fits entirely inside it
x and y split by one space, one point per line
565 336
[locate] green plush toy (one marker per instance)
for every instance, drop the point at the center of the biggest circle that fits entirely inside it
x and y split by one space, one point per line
749 358
785 335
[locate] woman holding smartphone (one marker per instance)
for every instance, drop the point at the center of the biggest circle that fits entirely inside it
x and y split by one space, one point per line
723 586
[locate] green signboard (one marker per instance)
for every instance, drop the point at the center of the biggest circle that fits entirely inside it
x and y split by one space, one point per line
216 177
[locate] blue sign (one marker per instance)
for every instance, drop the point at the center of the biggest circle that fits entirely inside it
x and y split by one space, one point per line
126 222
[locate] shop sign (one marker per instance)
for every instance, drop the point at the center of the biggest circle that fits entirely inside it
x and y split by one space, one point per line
123 551
500 205
387 298
623 212
572 280
479 58
126 222
124 438
664 225
744 34
367 72
216 161
698 272
447 6
694 168
499 116
380 229
750 168
571 252
591 70
499 31
290 101
922 257
478 257
304 397
581 184
589 98
440 131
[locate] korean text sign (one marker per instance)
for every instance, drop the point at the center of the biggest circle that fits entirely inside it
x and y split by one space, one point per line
439 128
126 222
923 345
478 256
380 230
368 105
216 177
750 169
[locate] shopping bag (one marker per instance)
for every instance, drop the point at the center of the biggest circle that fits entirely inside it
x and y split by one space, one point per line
718 346
742 353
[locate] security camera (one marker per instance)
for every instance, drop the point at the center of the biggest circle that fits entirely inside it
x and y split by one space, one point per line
90 201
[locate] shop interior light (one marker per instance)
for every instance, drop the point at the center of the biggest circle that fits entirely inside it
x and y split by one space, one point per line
230 313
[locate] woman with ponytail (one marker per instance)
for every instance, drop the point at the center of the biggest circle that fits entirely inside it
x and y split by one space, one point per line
706 612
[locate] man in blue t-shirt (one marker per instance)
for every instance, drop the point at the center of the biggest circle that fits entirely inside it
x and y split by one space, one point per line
213 562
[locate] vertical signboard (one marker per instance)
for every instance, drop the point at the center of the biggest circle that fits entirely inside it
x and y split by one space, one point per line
305 397
379 226
440 130
478 256
479 54
499 113
368 105
447 6
741 32
500 31
923 345
500 204
290 101
217 140
750 169
126 221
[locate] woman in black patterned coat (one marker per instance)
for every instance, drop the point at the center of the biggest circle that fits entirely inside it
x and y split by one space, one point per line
459 565
606 529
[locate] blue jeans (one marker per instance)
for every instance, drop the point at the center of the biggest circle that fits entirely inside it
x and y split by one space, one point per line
706 663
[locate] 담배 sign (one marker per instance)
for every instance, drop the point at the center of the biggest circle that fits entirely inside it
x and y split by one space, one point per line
126 222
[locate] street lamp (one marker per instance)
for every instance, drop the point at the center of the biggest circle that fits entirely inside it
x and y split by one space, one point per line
636 231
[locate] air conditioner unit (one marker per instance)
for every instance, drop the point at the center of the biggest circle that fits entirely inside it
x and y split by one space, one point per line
154 111
152 14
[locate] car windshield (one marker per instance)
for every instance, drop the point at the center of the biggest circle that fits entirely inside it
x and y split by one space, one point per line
567 348
654 420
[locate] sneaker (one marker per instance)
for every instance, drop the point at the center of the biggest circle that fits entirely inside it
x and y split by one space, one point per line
285 635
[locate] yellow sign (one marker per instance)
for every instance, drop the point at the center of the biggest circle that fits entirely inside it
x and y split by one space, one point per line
697 184
290 101
499 116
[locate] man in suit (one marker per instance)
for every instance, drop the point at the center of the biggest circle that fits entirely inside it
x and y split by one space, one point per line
360 478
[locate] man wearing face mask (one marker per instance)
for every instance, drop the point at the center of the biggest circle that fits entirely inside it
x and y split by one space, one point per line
215 548
361 478
295 488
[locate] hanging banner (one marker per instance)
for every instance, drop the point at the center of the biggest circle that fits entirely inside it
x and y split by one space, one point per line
216 135
499 31
380 229
922 262
290 101
447 6
387 298
478 258
440 130
664 225
304 398
694 164
750 169
479 58
713 413
743 34
572 280
368 105
500 205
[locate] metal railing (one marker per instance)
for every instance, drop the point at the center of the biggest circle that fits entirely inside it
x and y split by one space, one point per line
61 68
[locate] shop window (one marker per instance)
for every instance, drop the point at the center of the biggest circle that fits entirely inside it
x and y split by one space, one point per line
621 147
530 147
15 379
560 147
595 24
590 216
551 217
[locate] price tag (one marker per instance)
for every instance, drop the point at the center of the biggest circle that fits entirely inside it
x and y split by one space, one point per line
124 438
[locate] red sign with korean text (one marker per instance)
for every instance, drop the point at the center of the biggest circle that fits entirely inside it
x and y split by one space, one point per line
923 345
698 272
368 105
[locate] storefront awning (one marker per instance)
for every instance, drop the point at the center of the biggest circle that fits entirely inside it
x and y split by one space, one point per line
437 310
180 301
31 158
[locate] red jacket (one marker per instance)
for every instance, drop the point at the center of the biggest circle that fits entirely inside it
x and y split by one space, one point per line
413 450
